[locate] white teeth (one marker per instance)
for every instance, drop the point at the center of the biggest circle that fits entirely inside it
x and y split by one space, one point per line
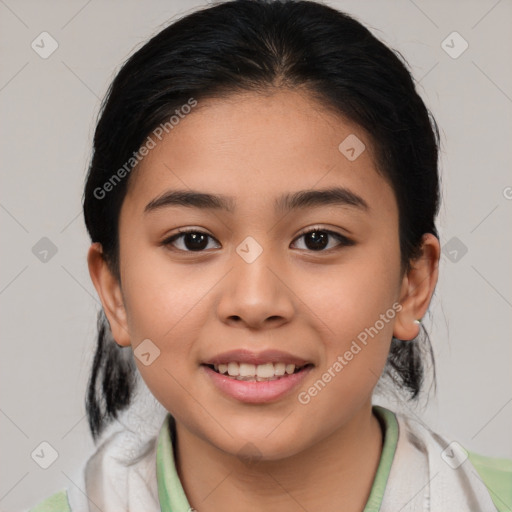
233 369
247 371
290 368
265 370
279 369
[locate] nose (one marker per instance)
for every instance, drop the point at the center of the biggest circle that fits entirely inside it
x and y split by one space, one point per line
256 293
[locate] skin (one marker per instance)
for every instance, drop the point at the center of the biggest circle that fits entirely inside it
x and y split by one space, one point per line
313 304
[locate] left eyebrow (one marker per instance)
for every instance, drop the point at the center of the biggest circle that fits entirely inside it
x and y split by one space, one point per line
337 196
302 199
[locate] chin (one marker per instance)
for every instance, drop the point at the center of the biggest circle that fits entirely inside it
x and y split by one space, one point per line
257 448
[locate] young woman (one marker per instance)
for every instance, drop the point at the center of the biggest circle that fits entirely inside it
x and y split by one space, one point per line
261 203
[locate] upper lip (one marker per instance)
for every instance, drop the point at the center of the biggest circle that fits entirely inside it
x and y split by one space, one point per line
256 358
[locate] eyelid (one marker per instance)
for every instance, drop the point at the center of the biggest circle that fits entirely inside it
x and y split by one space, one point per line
319 227
167 241
343 239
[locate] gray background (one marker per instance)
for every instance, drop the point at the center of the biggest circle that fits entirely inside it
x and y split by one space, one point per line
48 108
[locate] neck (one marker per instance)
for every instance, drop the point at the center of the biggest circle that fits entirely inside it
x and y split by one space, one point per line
336 472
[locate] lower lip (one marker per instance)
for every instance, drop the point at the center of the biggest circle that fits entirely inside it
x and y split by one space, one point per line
255 392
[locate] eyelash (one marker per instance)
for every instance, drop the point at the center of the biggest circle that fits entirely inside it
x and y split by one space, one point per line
344 241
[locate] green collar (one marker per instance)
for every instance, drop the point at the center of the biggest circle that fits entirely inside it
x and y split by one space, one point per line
172 496
389 426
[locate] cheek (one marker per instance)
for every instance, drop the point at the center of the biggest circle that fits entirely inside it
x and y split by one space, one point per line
353 310
160 296
164 304
355 314
353 296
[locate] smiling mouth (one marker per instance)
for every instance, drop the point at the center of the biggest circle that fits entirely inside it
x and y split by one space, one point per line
256 373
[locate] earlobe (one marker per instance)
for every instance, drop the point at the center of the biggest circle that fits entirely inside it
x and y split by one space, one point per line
418 286
109 291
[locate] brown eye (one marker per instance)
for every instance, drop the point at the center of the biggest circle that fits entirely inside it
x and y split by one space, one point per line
192 241
317 239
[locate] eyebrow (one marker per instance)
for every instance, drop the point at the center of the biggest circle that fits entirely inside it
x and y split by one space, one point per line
302 199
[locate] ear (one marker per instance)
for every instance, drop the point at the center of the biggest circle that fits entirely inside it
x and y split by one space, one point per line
109 291
418 286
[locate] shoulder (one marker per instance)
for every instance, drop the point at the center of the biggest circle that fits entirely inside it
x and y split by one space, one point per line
496 474
57 502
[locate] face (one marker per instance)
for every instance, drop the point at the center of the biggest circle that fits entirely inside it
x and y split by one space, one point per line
313 283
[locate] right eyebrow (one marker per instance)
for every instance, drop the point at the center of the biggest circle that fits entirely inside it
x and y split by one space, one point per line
191 199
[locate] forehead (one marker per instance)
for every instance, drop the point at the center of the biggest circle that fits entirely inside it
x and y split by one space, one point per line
257 148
